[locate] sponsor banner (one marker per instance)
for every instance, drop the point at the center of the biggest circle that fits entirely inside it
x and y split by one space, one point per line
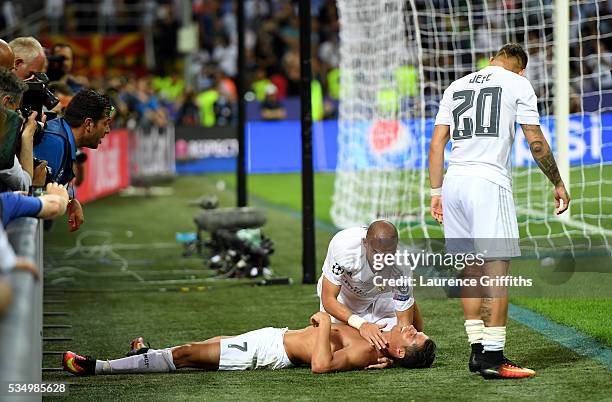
275 147
205 150
107 168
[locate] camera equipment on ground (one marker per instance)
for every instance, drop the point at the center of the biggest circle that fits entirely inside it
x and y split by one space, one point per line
236 246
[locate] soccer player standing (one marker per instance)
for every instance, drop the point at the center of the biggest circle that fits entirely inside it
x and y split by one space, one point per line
478 113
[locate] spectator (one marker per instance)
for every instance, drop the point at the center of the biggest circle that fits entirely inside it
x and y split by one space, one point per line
260 83
271 108
148 106
269 47
107 16
165 37
10 14
329 53
226 86
54 10
223 106
225 55
188 113
291 63
114 92
29 56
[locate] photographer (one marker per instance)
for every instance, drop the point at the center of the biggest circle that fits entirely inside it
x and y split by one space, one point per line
60 66
19 176
29 56
85 123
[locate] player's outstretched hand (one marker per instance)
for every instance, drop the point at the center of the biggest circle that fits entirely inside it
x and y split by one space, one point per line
372 333
319 317
383 362
562 198
436 208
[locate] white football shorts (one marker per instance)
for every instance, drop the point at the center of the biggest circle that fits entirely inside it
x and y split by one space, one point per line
259 349
381 309
479 216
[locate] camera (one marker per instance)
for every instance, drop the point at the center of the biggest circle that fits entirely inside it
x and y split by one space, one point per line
37 96
55 67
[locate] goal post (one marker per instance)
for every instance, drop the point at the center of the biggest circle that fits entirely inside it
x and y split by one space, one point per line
562 95
396 59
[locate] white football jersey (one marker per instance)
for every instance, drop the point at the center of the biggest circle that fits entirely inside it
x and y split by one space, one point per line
482 110
346 265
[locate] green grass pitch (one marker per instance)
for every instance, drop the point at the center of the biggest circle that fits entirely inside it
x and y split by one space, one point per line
115 294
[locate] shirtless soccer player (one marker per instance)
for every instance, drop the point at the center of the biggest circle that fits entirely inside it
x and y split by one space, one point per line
324 346
478 113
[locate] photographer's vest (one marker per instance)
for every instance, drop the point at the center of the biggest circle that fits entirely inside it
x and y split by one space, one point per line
59 127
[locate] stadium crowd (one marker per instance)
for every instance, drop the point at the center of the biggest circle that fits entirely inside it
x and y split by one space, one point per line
208 95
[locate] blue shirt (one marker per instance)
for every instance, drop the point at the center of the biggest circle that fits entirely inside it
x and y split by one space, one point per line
14 205
52 149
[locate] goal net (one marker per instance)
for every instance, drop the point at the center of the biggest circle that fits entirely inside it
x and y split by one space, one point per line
398 56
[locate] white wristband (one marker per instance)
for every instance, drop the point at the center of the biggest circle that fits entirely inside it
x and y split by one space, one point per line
355 321
435 191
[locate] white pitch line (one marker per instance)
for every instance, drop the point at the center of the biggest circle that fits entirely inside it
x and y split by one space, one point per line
570 222
127 246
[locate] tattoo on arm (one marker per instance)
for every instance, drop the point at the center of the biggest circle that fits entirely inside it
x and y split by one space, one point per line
543 154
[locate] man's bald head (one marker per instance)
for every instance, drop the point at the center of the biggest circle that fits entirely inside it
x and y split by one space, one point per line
382 236
7 57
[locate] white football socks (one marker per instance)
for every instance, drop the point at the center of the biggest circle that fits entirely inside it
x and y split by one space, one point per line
494 339
474 330
154 361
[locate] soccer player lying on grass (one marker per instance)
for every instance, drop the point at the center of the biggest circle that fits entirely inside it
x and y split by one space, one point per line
324 346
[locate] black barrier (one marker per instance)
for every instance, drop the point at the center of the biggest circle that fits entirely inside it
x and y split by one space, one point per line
21 327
